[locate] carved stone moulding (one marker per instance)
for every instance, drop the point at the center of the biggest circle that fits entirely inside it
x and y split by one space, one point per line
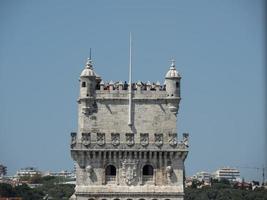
158 139
89 169
129 171
129 139
86 139
144 139
115 139
100 139
173 141
169 170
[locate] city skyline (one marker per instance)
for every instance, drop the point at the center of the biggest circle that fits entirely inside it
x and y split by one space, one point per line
218 48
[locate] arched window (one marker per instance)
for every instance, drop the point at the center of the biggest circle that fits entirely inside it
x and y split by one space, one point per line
148 170
110 174
110 170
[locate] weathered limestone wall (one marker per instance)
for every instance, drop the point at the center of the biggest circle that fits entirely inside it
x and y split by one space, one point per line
112 117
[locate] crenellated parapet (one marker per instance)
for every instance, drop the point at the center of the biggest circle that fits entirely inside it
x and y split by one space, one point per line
128 146
119 85
129 141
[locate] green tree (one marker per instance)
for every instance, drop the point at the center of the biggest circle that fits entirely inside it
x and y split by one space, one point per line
28 193
6 190
195 183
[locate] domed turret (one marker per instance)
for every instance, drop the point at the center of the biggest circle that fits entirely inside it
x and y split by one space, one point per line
172 80
172 73
87 80
88 71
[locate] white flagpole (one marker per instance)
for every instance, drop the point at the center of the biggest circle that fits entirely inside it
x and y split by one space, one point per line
130 83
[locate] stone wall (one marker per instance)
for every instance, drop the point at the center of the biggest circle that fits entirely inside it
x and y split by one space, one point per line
122 159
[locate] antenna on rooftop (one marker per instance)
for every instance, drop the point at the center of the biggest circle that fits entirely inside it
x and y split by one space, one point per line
90 55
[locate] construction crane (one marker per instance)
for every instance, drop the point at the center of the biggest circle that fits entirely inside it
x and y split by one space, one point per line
255 168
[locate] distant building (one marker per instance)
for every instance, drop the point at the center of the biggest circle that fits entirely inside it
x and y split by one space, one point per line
188 181
231 174
28 171
203 176
244 185
63 173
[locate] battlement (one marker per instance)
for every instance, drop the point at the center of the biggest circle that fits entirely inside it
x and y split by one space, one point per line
139 86
119 90
129 141
139 91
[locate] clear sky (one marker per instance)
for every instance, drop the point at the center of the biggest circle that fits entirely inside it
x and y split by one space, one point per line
219 47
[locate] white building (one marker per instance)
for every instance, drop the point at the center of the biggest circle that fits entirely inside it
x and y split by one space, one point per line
28 171
63 173
231 174
203 176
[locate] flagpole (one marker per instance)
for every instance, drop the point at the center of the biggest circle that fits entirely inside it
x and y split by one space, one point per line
130 83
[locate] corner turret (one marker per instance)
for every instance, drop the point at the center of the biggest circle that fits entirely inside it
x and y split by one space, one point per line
88 80
172 80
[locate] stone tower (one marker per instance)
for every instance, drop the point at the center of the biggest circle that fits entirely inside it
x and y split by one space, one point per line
118 160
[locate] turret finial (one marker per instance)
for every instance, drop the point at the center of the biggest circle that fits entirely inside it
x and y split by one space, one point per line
89 63
173 63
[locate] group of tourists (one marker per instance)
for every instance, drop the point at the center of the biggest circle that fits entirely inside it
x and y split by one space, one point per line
125 85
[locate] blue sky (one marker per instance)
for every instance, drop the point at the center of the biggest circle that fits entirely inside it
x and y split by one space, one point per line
219 51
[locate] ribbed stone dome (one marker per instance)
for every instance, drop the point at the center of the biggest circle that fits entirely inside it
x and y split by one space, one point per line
172 73
88 71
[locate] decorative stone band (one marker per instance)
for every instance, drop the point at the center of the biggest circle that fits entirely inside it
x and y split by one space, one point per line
124 146
128 141
123 96
79 155
128 195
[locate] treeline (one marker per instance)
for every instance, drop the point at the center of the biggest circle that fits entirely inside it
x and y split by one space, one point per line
224 191
209 193
50 188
